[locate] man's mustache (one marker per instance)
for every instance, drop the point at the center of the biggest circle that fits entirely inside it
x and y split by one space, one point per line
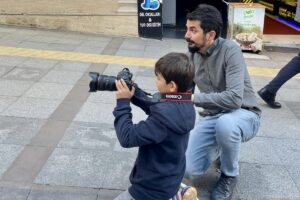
189 40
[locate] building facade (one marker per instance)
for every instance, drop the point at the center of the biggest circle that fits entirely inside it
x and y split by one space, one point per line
111 17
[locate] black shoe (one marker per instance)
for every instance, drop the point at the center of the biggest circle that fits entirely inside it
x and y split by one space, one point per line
269 98
224 188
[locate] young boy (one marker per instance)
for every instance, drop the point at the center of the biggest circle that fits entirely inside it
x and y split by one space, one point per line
163 137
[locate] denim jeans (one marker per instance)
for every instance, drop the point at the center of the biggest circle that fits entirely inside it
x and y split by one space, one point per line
219 136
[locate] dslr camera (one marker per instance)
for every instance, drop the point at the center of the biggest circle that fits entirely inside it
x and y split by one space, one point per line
107 83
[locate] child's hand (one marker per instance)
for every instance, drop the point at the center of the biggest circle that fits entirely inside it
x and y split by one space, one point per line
123 90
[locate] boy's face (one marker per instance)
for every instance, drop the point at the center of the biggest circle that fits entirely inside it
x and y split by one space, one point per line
164 87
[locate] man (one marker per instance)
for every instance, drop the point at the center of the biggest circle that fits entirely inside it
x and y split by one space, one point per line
230 113
291 69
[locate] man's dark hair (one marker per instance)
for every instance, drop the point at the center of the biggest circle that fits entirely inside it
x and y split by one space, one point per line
210 18
178 68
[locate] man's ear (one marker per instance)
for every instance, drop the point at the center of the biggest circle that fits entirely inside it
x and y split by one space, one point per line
211 35
173 86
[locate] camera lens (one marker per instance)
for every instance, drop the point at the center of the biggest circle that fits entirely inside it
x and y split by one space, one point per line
106 83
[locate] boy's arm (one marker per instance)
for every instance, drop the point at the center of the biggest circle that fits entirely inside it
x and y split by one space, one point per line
136 100
146 132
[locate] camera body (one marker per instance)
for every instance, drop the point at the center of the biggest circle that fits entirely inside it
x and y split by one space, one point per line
107 83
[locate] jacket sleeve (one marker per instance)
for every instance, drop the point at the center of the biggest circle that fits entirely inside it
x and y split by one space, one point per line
232 96
138 102
150 131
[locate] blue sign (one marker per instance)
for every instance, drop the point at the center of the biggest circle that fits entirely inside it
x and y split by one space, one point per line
150 18
150 4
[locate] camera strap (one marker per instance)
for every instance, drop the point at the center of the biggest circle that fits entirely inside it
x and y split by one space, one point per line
179 97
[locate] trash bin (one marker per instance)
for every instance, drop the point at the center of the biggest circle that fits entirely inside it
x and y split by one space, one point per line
246 24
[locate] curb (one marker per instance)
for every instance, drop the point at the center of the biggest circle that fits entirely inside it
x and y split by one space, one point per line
284 48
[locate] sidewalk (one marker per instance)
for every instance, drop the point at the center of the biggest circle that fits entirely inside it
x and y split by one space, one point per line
57 141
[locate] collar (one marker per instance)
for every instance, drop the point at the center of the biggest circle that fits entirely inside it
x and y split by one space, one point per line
212 47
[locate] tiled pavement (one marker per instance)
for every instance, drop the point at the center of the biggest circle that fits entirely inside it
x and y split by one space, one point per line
57 141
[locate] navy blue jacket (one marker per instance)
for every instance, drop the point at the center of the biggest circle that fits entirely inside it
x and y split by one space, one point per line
162 140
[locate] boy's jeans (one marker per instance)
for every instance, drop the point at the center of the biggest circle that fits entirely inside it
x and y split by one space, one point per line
126 196
219 135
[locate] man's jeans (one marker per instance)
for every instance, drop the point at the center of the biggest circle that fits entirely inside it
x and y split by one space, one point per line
219 135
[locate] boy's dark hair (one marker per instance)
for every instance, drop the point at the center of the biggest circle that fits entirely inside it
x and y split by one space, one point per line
210 18
178 68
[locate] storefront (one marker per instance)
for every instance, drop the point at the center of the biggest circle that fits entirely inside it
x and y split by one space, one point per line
281 13
174 13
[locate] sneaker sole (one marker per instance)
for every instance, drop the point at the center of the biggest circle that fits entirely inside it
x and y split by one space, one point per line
189 193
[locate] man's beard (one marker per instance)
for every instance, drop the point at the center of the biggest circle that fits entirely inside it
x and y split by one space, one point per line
194 48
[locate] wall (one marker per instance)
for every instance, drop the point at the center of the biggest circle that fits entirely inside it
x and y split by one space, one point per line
111 17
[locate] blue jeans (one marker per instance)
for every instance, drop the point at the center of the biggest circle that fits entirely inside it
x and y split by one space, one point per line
221 136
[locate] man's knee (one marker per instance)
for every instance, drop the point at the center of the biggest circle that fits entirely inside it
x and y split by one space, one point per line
226 129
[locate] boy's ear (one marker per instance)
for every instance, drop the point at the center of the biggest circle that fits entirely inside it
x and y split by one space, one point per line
173 86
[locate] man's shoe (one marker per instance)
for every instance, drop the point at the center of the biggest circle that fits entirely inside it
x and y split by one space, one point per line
269 98
224 188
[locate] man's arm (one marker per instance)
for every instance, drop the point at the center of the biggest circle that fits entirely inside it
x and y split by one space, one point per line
232 96
129 135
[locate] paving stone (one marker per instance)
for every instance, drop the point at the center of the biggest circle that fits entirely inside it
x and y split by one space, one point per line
294 107
67 77
32 108
19 131
5 69
60 47
32 45
288 94
6 101
14 88
37 194
75 167
157 49
146 83
13 193
272 115
295 174
38 63
91 43
271 126
288 150
11 60
89 136
114 69
259 150
265 182
102 97
8 153
25 74
118 170
72 66
108 194
95 112
49 90
43 38
129 45
148 72
129 53
89 49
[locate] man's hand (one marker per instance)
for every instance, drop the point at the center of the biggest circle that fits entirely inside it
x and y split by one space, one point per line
123 91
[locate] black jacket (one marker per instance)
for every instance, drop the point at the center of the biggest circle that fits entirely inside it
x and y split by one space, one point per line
162 140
